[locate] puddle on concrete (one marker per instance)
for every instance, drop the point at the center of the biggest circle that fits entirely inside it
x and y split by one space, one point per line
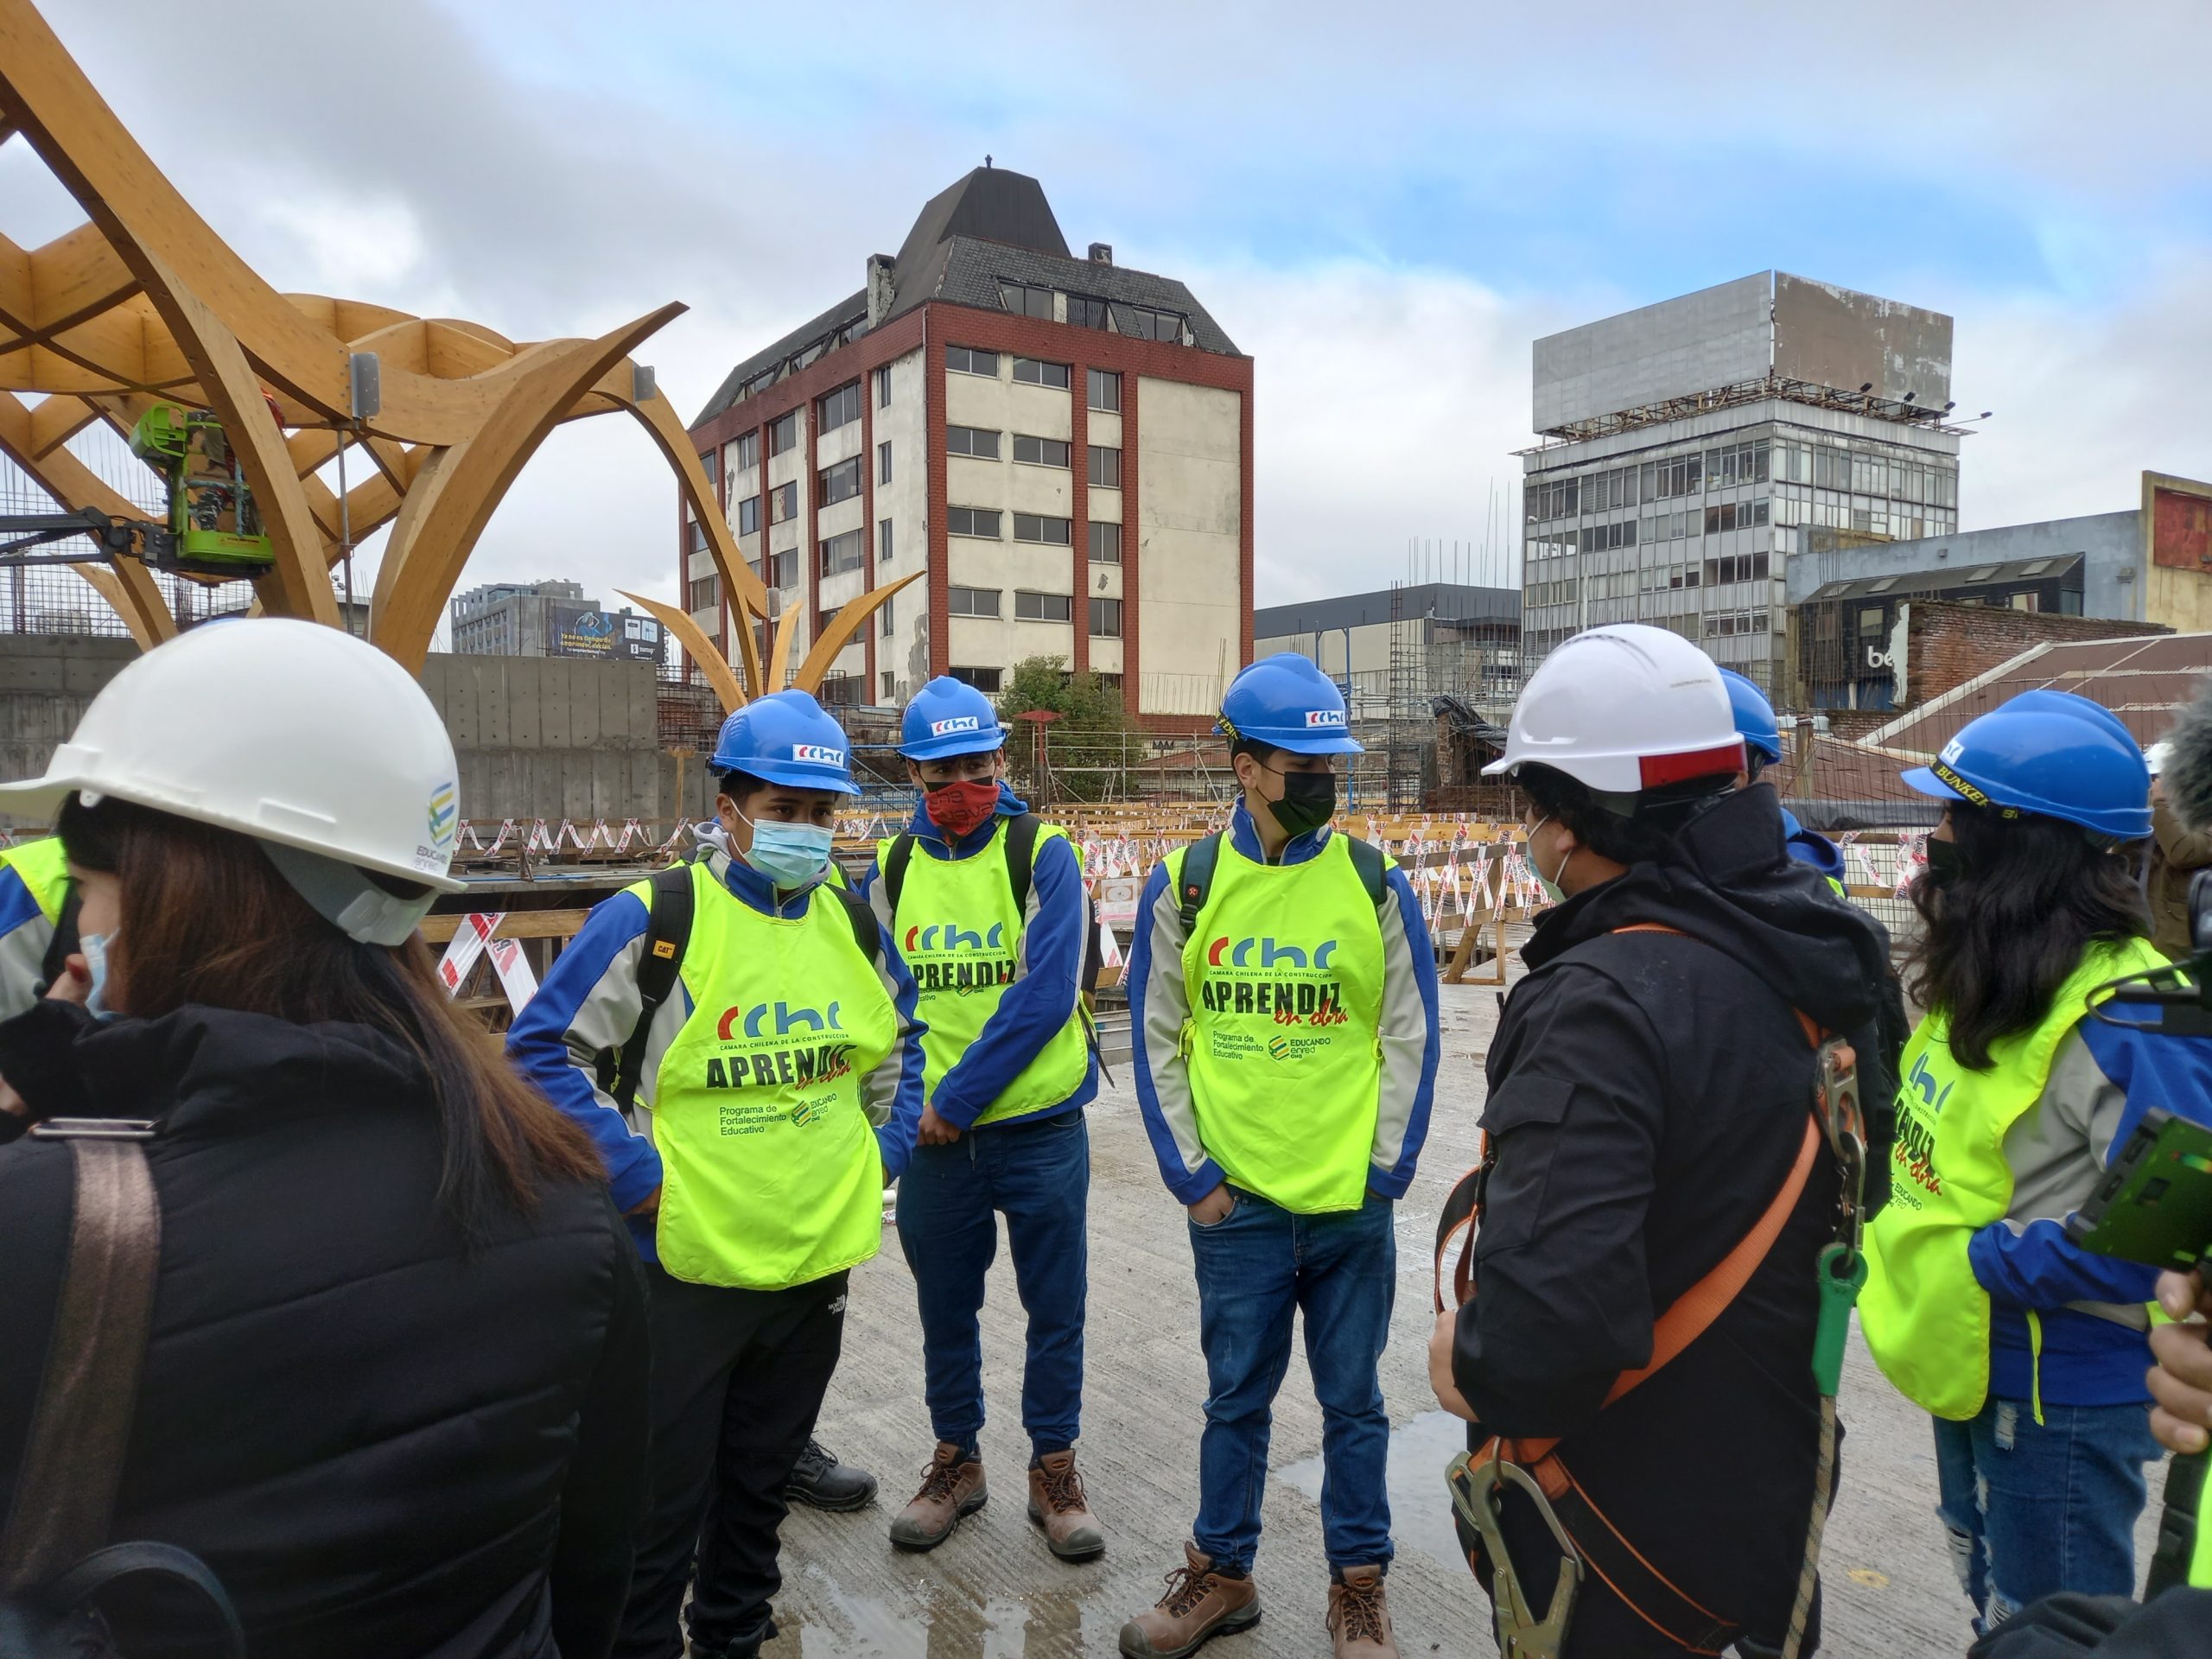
934 1622
1420 1510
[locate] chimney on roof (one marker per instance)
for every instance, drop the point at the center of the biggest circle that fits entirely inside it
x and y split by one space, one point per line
1101 253
880 288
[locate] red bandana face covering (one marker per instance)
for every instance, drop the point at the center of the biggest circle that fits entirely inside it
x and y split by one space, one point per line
959 809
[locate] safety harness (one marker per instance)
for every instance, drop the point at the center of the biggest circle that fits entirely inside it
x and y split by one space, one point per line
1588 1541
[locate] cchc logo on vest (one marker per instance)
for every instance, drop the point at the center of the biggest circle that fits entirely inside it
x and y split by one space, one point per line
1283 982
1915 1147
767 1044
945 956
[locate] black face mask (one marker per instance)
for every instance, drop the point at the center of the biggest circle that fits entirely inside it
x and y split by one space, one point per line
1309 800
1945 864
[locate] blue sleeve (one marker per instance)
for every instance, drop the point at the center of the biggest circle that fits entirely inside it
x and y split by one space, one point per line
2152 1070
1398 1017
17 904
2039 1267
894 1137
866 888
555 1037
1034 1008
1156 1017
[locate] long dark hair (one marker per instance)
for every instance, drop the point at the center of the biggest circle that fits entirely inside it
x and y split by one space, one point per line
206 919
2032 894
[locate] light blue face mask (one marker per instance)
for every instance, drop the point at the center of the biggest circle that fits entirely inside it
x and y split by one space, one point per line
789 854
1551 886
93 948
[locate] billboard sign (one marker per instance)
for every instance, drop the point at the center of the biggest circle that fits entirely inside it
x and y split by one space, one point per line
613 636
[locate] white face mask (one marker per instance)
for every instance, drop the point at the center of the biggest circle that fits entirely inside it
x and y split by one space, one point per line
93 948
1550 884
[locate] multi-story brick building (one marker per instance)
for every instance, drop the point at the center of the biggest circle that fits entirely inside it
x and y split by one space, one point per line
1063 445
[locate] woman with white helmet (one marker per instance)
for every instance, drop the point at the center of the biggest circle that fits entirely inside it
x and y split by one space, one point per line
393 1394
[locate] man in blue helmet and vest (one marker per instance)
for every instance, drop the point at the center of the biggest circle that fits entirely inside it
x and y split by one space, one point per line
759 1026
988 907
1282 988
1762 736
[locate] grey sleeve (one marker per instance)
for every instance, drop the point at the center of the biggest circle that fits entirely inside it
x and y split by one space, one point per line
2057 1147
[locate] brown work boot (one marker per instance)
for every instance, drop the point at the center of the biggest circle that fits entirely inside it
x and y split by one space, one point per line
1199 1605
1056 1504
1358 1617
950 1489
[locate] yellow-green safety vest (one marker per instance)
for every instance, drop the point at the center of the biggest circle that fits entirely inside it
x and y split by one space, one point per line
771 1173
1925 1316
958 929
2200 1563
44 870
1284 973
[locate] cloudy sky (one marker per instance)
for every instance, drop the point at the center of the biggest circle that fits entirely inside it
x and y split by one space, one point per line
1383 208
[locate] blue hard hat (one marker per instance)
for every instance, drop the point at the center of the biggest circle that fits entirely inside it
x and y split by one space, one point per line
786 738
1284 700
947 717
1754 715
2051 753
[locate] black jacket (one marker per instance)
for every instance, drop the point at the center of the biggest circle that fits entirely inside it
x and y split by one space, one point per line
1647 1094
384 1444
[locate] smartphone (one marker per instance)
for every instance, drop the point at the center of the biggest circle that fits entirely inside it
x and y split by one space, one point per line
2154 1204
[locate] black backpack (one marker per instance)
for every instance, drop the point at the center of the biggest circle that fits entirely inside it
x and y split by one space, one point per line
1021 832
668 931
1204 854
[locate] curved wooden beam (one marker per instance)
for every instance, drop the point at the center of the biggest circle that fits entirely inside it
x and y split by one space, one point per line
107 581
780 653
454 496
698 646
851 617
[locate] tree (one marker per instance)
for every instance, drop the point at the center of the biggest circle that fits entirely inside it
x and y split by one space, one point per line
1088 746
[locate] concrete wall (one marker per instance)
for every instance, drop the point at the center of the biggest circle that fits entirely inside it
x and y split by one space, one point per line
538 737
1717 336
904 653
1190 509
1948 644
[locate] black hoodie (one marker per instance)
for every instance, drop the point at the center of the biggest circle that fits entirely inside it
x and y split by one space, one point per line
1647 1094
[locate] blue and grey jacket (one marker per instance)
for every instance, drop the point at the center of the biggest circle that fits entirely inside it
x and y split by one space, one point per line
1159 1005
1047 985
589 1004
2094 1347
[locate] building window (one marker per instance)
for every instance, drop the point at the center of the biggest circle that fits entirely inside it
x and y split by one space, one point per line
696 533
705 593
890 687
745 453
1105 467
1030 372
709 465
972 521
1043 607
1040 452
1086 313
1105 543
843 553
962 359
1105 391
838 483
1147 324
1109 683
983 679
971 440
1105 619
1035 527
1025 301
783 570
972 601
783 502
883 461
883 387
886 613
883 540
748 515
838 408
783 432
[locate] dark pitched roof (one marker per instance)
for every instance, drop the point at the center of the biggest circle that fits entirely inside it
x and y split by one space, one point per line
990 225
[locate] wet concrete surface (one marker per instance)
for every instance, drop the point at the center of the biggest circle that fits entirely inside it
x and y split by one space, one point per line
991 1591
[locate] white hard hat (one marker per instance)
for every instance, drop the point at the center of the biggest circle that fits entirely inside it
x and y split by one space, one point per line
304 738
1624 708
2155 757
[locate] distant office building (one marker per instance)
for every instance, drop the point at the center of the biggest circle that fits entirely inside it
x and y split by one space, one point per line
1063 445
1424 641
550 619
1850 605
1693 447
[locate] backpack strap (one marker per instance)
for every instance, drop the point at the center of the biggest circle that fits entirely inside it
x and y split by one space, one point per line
668 931
1200 859
894 865
1021 856
1373 867
73 1462
82 1586
867 932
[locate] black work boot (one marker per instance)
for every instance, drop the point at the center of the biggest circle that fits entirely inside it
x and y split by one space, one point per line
823 1483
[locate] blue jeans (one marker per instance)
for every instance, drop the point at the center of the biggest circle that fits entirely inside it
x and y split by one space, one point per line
1038 1173
1255 1267
2035 1508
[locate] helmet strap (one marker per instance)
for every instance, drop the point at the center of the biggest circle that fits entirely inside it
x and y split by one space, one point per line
345 897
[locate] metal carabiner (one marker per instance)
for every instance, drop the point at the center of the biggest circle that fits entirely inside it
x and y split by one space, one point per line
1475 1493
